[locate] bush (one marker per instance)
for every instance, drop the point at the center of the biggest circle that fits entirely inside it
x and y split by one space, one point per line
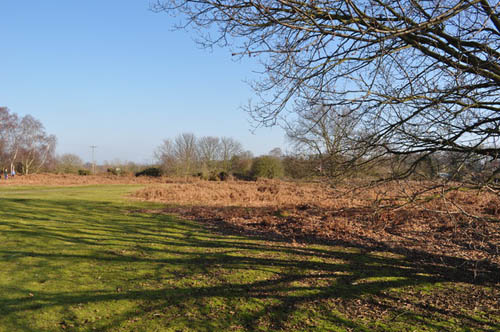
213 177
217 176
267 167
152 171
202 175
223 176
114 170
83 172
243 177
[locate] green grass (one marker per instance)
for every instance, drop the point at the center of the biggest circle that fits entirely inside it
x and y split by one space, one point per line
86 259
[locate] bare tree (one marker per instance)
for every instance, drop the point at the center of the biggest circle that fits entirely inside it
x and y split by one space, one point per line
35 146
329 136
178 156
229 148
7 122
241 164
210 152
165 155
276 152
421 76
25 140
186 152
69 163
9 135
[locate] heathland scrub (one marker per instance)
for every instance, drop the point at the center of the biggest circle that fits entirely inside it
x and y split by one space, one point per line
87 259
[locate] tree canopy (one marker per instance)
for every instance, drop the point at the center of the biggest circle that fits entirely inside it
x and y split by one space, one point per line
416 77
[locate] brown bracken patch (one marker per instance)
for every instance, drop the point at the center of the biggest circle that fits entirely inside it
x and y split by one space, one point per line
50 179
456 226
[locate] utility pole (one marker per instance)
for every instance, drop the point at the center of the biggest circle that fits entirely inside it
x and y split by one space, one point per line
93 159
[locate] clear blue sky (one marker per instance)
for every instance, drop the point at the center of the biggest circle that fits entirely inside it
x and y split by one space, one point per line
114 74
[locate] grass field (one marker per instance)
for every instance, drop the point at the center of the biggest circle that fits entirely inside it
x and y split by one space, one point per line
84 258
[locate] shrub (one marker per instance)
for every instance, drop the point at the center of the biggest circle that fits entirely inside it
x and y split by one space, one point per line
83 172
152 171
243 177
267 167
114 171
202 175
223 176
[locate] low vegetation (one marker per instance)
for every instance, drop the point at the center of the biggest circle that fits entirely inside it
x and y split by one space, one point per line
49 179
84 258
464 224
151 171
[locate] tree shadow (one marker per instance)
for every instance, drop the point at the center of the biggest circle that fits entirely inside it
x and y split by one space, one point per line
62 259
453 267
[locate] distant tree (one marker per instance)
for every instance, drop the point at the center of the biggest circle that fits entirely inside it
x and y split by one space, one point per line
131 167
9 136
267 167
210 152
186 152
68 163
276 152
187 155
241 164
24 140
229 148
178 156
35 146
166 156
329 137
121 167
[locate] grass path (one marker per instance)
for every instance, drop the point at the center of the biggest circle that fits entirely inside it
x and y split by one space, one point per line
85 259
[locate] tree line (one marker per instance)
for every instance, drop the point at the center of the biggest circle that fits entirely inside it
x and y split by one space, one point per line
186 154
209 157
320 141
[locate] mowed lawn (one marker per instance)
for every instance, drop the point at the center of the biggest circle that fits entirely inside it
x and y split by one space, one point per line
88 259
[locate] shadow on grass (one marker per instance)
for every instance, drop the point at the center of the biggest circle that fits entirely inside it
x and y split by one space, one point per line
64 261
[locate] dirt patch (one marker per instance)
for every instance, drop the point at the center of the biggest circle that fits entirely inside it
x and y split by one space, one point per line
442 228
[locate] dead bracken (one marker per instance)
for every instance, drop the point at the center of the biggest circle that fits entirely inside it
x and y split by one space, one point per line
461 225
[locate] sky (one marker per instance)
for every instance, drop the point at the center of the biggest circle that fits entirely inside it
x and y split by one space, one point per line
116 75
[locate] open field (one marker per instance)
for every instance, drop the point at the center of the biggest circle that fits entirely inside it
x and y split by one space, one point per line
84 258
